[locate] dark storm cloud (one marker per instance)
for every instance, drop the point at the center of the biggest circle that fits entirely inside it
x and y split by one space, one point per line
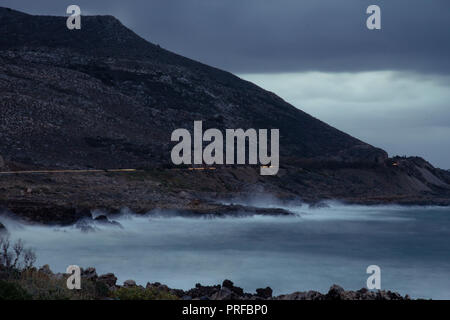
284 35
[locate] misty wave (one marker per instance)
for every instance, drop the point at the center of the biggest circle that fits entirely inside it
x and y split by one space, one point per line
307 251
332 210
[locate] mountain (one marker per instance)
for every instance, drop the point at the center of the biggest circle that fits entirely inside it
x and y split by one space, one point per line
102 97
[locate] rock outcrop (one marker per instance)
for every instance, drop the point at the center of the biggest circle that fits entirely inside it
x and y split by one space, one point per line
89 274
129 284
338 293
265 293
226 291
109 280
229 292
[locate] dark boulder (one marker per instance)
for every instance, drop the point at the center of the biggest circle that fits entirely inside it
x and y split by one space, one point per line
265 293
310 295
104 220
201 291
109 279
336 293
89 274
227 284
230 285
129 284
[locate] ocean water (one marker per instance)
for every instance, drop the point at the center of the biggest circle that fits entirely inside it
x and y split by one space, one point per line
310 251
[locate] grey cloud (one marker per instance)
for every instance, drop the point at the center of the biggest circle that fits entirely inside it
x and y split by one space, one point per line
285 35
402 112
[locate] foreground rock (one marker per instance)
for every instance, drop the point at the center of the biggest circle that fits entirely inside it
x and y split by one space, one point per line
105 287
338 293
228 291
89 274
109 280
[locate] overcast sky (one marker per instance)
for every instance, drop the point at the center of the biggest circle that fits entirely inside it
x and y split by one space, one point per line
389 87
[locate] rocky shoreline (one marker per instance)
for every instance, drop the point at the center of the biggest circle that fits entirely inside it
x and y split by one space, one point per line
228 291
36 214
48 214
64 198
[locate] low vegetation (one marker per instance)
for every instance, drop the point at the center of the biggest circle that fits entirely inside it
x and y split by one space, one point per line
20 280
139 293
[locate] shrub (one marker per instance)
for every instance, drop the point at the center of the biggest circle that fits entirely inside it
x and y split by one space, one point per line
15 256
12 291
101 290
42 286
139 293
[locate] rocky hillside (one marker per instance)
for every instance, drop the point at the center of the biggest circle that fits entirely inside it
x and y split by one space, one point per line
104 97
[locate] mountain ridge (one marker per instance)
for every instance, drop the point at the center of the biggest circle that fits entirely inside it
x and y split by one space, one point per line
103 39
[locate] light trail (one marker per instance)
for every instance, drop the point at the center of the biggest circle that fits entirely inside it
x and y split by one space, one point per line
93 171
68 171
